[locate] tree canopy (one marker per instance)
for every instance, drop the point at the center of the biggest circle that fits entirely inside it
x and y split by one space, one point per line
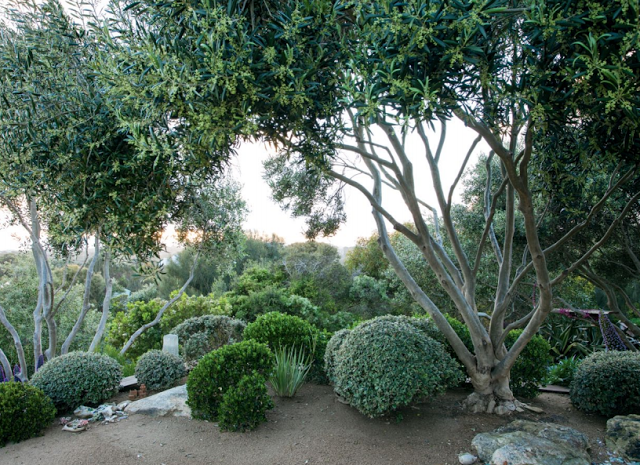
339 87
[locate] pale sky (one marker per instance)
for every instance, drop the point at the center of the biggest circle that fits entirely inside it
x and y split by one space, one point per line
267 217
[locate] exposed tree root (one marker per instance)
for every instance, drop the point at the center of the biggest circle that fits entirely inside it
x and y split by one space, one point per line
491 403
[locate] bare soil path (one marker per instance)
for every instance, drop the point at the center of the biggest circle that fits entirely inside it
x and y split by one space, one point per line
313 428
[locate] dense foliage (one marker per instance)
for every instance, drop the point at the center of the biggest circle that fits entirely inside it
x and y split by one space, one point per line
384 365
78 378
331 352
126 322
116 126
530 369
200 335
159 370
562 373
244 405
608 383
281 330
221 370
24 412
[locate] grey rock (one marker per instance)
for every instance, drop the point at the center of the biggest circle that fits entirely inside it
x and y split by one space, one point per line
122 405
531 443
623 436
172 402
467 459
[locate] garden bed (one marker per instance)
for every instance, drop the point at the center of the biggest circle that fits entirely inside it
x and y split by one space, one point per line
313 428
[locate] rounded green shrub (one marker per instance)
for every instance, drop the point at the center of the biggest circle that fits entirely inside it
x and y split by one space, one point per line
244 405
607 383
385 364
280 330
159 370
331 351
531 366
221 369
268 299
78 378
200 335
197 346
24 412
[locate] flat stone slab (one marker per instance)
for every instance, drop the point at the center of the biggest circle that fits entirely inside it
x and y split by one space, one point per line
172 402
128 382
555 389
531 443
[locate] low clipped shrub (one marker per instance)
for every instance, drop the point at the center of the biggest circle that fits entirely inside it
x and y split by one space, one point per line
531 367
197 346
428 326
221 369
24 412
78 378
333 346
159 370
281 330
244 405
385 364
607 383
200 335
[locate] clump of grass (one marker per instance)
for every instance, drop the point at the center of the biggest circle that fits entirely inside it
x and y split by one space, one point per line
291 370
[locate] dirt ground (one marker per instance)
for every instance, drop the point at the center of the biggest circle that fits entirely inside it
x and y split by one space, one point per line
313 428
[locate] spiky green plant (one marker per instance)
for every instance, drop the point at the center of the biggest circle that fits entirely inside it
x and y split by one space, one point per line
292 368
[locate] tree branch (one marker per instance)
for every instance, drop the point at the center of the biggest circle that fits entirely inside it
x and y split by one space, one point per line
598 244
462 168
156 320
17 342
106 303
468 283
85 300
418 294
4 361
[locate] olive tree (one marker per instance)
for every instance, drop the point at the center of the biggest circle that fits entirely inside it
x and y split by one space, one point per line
342 88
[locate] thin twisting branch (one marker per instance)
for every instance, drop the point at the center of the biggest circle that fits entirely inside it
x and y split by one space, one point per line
156 320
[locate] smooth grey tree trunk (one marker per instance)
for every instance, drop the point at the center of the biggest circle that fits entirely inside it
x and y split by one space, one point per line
106 303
